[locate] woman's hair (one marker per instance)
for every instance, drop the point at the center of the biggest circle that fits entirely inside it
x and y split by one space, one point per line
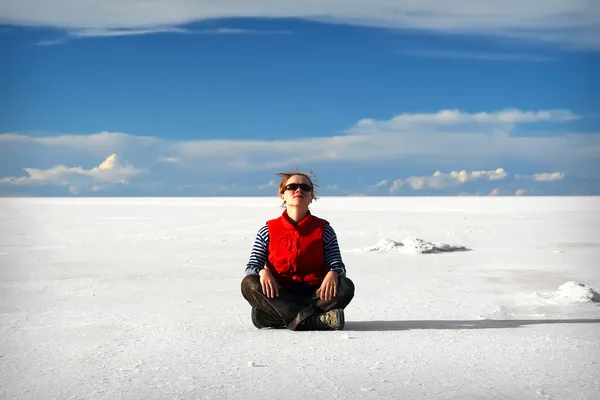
310 175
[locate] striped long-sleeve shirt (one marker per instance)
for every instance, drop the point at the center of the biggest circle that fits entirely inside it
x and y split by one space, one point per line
260 251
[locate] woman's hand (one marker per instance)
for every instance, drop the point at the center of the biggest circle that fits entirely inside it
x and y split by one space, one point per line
328 289
269 285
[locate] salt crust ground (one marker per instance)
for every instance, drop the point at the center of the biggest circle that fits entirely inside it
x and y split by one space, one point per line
139 299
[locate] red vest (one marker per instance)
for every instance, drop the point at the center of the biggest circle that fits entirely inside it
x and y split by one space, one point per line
296 252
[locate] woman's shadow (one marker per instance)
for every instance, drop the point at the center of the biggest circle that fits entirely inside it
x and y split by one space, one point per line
450 324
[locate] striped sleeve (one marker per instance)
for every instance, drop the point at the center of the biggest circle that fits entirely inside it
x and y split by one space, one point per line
259 253
333 256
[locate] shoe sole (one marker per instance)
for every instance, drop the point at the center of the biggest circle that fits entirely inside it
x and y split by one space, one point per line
340 320
261 320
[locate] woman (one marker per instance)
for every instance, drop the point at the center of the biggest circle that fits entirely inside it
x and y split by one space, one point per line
295 277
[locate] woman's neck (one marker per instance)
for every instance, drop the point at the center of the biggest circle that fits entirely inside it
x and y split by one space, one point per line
296 214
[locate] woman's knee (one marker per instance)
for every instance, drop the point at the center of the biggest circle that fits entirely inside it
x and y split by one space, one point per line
345 287
251 283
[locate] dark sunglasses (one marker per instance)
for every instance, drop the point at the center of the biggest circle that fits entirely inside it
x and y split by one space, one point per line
295 186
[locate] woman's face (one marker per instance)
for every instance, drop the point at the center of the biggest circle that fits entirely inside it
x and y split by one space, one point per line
295 195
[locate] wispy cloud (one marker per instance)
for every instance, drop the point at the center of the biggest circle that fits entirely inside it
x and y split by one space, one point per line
440 180
381 183
433 140
107 173
543 177
270 185
456 117
104 32
111 32
483 56
445 135
567 22
238 31
108 32
173 160
53 42
549 177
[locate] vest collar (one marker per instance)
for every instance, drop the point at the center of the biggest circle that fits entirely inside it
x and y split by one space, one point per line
288 223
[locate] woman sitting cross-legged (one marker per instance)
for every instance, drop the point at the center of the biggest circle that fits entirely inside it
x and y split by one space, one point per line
295 277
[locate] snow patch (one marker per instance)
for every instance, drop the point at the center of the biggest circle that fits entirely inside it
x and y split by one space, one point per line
570 292
384 245
411 245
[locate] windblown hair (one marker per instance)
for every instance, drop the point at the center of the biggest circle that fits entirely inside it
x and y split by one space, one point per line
310 175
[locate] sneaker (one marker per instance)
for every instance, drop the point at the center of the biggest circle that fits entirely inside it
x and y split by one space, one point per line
261 319
332 320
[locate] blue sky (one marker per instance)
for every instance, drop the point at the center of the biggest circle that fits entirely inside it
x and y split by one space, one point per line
182 99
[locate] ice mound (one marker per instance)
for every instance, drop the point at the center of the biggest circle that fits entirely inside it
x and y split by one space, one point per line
411 245
571 292
422 246
385 245
577 292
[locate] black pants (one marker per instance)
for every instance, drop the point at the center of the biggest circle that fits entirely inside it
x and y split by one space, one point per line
294 304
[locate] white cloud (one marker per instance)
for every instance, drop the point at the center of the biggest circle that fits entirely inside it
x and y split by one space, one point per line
104 32
571 22
432 140
108 32
238 31
472 55
271 184
543 176
377 186
464 176
441 180
548 177
396 185
457 117
108 173
454 179
172 160
111 163
437 136
99 144
52 42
